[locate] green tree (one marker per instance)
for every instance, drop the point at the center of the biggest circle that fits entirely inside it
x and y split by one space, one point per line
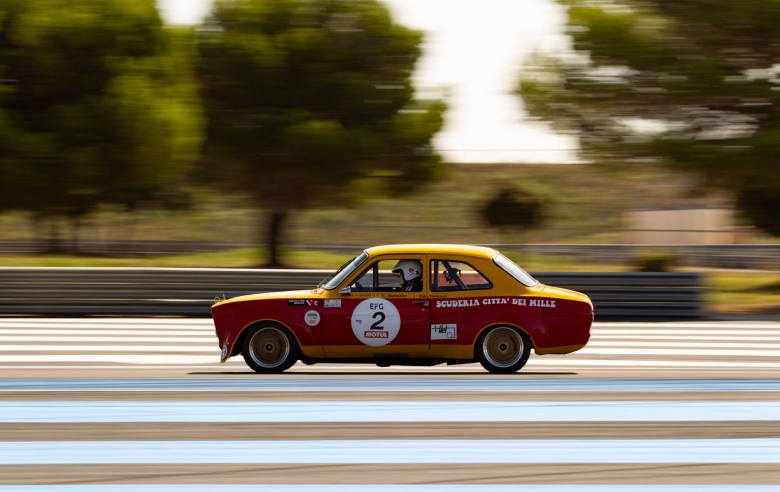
691 83
310 104
98 104
513 209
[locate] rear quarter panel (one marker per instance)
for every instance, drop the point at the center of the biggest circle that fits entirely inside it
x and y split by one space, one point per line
551 317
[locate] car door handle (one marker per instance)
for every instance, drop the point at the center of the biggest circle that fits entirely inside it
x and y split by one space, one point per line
424 303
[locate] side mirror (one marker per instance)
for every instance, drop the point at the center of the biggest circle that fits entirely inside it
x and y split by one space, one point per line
345 291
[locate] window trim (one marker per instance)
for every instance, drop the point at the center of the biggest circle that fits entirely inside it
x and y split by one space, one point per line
354 263
510 273
435 275
375 267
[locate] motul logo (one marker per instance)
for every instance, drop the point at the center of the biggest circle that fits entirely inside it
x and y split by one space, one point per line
376 334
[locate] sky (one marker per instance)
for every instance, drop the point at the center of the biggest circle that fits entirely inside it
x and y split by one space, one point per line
473 49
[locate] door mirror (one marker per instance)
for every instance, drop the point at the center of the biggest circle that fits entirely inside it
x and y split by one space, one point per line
345 291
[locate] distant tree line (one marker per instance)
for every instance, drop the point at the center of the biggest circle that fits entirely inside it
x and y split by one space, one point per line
691 84
300 104
294 104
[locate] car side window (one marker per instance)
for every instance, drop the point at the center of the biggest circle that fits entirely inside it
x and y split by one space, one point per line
449 275
365 281
379 277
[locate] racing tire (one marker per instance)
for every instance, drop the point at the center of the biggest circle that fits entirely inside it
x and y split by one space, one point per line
269 349
503 349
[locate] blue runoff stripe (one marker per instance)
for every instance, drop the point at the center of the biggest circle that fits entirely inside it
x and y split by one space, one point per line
660 451
444 383
387 411
386 488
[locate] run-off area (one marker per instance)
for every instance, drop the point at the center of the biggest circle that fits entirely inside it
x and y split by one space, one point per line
651 407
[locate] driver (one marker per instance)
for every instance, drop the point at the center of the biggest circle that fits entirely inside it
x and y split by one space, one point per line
410 272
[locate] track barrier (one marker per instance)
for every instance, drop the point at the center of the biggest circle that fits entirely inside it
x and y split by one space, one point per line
191 291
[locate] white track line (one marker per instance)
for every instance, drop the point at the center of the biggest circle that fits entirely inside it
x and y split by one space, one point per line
721 345
589 350
128 362
684 352
214 368
595 342
685 332
72 412
113 358
121 319
391 451
110 348
14 331
683 337
688 324
76 339
149 326
536 361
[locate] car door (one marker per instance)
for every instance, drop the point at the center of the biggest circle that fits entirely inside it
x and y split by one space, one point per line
461 301
376 317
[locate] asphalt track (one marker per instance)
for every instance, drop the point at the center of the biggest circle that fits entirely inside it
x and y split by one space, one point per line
126 404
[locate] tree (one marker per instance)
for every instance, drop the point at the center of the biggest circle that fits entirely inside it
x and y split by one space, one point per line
98 104
511 208
692 84
310 103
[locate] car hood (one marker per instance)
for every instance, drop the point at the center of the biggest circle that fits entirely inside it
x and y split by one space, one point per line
290 294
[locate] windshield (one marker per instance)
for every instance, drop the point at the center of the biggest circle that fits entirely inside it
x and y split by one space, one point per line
332 281
512 269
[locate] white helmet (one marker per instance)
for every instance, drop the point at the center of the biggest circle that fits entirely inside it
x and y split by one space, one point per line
409 269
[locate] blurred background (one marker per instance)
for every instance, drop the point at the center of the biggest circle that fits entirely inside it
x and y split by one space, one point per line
572 135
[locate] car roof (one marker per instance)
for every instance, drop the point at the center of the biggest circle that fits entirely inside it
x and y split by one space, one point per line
457 249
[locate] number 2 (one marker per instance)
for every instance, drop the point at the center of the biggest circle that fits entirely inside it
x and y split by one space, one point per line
377 326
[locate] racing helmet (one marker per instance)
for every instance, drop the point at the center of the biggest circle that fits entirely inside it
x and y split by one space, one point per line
409 269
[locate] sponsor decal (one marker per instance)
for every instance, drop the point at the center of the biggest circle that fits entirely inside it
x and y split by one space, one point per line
444 332
303 302
550 303
495 301
376 334
545 303
376 322
225 348
332 302
458 303
312 318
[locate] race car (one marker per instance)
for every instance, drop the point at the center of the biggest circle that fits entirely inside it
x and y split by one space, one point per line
408 305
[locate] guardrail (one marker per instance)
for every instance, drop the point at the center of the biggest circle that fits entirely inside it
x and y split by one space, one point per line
191 291
736 256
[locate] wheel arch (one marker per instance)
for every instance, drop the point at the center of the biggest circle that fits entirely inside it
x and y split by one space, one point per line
238 341
494 325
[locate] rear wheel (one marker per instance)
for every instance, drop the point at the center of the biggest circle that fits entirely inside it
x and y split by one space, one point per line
269 349
503 349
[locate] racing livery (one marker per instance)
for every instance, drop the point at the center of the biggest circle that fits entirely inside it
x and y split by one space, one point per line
408 305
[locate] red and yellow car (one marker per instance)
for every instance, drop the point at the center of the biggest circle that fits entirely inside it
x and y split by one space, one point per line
408 305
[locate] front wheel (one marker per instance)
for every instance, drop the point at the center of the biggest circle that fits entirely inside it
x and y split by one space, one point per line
269 349
503 350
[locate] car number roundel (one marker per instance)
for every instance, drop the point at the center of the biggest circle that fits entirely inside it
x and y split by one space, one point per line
376 322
